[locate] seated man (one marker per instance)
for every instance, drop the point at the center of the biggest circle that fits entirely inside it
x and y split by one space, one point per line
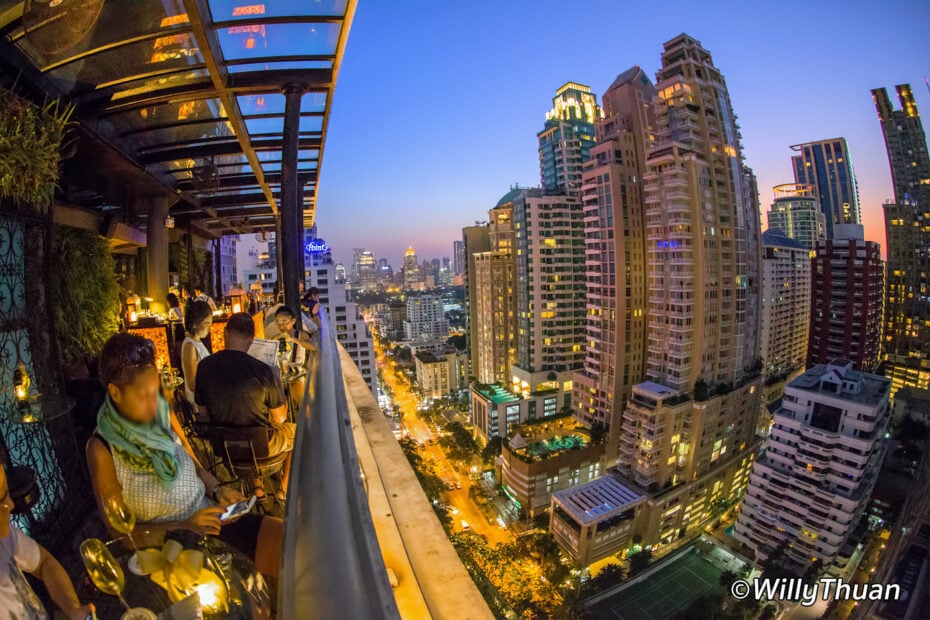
20 553
235 389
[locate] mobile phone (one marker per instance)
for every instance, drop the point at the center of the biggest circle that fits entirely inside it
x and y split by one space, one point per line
239 508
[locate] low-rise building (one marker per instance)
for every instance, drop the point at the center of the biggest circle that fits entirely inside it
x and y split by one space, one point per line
441 375
548 455
911 402
596 520
495 409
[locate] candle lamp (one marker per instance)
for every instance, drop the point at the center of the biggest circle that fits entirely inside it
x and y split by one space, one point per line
133 303
238 299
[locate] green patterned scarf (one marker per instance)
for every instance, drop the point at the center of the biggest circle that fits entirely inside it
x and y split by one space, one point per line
145 447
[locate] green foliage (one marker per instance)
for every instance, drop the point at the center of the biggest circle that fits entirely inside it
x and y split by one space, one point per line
640 561
30 145
84 292
727 578
910 429
432 484
491 451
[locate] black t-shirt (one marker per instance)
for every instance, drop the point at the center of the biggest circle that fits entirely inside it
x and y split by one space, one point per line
237 389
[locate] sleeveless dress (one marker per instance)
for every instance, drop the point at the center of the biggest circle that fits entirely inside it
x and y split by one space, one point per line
201 349
151 500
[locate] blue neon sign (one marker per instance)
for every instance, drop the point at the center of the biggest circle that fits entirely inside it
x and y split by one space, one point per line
316 246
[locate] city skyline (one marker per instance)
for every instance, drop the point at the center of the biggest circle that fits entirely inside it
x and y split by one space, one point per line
464 147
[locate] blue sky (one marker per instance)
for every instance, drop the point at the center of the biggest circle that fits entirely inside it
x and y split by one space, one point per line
438 102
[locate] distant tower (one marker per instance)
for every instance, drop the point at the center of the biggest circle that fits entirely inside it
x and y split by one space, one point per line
907 233
565 142
826 166
412 276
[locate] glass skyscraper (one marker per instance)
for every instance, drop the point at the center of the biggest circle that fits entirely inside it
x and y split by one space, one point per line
825 164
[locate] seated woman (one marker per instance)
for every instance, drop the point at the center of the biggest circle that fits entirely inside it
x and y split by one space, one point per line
140 453
197 324
18 553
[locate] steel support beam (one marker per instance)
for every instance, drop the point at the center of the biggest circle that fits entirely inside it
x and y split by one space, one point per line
291 207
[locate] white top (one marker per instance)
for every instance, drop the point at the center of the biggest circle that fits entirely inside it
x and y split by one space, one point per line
174 314
201 349
19 553
150 500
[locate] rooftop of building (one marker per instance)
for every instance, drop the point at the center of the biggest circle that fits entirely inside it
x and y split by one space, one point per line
545 437
429 358
497 393
597 500
869 388
774 237
629 76
914 397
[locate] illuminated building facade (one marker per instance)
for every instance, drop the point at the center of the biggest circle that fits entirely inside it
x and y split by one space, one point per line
786 303
615 259
796 212
426 320
694 418
821 461
847 284
550 281
565 142
826 166
475 239
495 300
906 346
458 257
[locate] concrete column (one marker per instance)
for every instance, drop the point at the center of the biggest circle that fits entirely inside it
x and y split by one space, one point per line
290 246
156 263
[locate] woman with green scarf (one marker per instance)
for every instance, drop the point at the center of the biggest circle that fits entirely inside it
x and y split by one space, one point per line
139 453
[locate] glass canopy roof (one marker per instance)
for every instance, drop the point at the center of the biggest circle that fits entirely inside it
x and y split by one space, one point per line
190 90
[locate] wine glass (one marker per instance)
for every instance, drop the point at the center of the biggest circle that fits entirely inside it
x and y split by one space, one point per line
104 570
120 517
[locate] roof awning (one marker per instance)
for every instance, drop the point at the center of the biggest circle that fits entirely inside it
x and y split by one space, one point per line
188 90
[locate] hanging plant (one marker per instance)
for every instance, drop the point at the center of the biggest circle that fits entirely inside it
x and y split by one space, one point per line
30 144
85 293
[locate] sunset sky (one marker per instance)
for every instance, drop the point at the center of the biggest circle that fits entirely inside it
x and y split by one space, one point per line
438 103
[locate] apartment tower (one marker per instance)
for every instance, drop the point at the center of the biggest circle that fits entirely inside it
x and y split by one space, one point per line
615 259
796 212
822 457
786 303
846 300
694 419
906 344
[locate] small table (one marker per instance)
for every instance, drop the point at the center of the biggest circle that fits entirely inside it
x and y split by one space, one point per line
43 409
249 594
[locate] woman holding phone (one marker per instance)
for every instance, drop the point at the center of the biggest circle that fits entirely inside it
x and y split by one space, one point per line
140 454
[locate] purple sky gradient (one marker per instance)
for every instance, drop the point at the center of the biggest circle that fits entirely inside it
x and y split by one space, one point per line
438 103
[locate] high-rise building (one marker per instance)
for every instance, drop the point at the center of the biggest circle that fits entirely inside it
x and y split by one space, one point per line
566 140
347 322
694 419
475 239
825 165
796 212
458 257
366 269
846 300
786 303
413 276
906 347
550 251
495 300
340 271
426 319
821 460
615 259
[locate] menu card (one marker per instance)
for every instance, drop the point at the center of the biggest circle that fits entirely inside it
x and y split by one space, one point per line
265 351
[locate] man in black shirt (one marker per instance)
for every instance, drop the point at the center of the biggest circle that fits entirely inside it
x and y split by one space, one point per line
235 389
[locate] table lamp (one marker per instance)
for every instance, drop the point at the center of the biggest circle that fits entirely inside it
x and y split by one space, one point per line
132 308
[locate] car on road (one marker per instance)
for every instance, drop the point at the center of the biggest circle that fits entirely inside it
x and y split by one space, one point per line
458 485
465 526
